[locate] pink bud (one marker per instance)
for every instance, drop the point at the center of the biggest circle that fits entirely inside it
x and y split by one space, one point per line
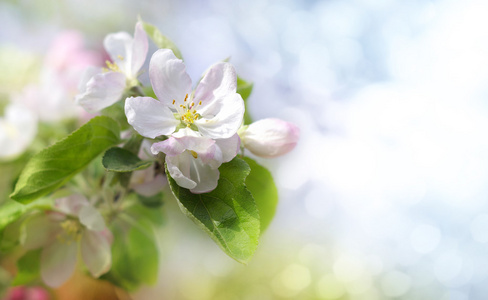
270 137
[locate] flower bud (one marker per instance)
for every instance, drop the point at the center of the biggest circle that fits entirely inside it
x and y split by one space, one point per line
270 137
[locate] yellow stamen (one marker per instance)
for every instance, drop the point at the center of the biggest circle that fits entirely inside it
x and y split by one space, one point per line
194 154
174 101
120 57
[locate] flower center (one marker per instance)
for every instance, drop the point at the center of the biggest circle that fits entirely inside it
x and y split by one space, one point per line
111 66
187 112
72 230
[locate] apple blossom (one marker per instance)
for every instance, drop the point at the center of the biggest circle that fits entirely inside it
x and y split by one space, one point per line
18 129
102 89
193 160
75 228
269 137
215 109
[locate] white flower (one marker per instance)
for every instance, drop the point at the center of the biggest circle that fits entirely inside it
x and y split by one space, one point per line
18 129
269 137
193 160
102 89
76 227
215 110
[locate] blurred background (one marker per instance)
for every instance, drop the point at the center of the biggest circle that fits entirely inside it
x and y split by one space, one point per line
385 196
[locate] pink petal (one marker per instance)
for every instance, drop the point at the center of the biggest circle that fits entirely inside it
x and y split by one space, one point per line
168 77
58 261
96 252
170 147
151 186
91 218
270 137
71 205
150 117
102 90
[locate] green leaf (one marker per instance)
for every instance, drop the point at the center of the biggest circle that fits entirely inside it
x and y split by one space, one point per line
133 145
121 160
261 185
152 201
28 268
134 255
228 214
244 88
52 167
137 211
160 40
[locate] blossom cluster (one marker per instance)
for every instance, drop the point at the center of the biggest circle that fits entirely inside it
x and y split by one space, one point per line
182 132
200 126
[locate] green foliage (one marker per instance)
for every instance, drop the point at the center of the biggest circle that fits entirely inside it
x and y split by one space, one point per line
134 252
160 40
121 160
152 201
28 268
227 214
244 88
261 184
52 167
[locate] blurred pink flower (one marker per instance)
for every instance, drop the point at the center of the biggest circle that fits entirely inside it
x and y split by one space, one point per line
27 293
52 98
75 230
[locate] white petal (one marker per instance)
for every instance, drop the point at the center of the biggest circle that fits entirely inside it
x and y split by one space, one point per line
139 49
39 230
86 76
119 47
226 117
270 137
219 82
91 218
179 169
102 90
168 77
192 173
229 147
96 252
150 117
204 175
58 262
